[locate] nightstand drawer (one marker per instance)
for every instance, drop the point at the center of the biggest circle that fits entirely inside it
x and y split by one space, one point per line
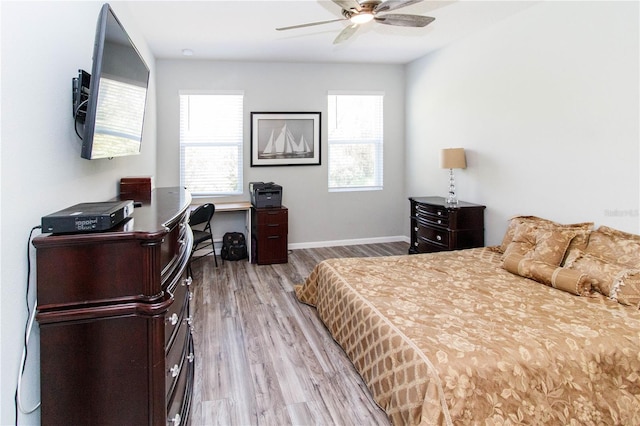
432 220
423 246
432 214
432 210
433 235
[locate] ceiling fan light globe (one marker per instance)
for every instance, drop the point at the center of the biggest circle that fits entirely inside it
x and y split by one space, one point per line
361 18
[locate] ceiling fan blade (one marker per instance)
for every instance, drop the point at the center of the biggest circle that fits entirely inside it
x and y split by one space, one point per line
346 33
405 20
348 4
390 5
311 24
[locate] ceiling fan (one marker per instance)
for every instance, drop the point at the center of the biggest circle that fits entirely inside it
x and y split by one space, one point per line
359 13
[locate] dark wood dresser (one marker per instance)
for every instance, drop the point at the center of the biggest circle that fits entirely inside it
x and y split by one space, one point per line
270 229
437 226
115 319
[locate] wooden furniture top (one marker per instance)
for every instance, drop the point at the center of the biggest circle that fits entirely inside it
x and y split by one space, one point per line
230 207
150 221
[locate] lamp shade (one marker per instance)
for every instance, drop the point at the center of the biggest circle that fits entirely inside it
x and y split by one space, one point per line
453 158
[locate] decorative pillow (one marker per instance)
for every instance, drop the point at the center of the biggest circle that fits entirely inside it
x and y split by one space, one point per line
615 246
569 280
627 289
580 240
615 281
544 244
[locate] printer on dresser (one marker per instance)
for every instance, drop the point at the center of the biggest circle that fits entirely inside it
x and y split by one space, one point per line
438 226
115 319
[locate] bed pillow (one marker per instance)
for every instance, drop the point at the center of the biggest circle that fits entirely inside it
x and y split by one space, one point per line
543 244
580 240
616 281
627 290
615 246
569 280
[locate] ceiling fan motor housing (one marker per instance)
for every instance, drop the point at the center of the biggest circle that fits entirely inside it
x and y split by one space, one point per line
367 7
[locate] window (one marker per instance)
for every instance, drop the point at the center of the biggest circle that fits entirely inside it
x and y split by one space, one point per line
355 141
211 143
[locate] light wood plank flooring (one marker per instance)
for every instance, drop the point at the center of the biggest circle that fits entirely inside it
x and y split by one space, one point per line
263 358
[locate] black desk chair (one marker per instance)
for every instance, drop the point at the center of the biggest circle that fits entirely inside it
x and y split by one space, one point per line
202 238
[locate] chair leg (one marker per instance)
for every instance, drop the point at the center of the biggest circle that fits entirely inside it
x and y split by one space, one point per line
213 248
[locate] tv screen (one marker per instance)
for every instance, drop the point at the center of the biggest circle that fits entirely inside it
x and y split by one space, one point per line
117 93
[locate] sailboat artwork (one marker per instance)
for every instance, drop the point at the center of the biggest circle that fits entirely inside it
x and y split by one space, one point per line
285 139
282 144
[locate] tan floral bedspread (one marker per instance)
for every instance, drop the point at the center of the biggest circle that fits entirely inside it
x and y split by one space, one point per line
452 338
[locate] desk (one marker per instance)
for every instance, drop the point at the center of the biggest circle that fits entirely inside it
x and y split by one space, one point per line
236 207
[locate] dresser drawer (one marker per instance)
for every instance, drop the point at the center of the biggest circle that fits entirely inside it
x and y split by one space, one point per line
179 401
176 314
174 246
176 357
434 235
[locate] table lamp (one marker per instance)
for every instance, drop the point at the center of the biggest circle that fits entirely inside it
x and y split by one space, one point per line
452 158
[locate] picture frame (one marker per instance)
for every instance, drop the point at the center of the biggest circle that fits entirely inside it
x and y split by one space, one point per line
285 139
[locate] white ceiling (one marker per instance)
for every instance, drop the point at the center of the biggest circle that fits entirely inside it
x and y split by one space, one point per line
244 30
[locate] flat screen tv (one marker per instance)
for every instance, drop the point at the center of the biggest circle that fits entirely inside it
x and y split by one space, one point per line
116 96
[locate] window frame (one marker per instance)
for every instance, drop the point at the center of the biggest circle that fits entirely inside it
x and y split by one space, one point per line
378 145
239 144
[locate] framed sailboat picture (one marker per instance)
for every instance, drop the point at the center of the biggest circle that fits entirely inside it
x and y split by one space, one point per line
285 138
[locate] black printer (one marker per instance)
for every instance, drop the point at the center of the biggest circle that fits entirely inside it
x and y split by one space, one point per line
265 195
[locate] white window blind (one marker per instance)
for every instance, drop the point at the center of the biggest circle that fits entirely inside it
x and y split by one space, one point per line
211 143
355 141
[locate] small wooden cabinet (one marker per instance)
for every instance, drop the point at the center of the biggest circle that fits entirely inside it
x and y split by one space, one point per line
270 229
115 319
438 226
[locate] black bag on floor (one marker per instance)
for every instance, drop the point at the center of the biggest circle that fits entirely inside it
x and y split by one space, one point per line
234 246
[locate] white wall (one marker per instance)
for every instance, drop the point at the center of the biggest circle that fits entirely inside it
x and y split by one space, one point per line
315 215
43 46
546 104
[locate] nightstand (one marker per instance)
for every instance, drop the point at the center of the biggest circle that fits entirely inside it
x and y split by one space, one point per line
438 226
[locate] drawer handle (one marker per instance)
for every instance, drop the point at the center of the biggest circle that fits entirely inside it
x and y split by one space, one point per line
182 225
175 370
175 420
187 281
438 237
182 242
188 320
191 357
190 295
415 229
439 221
273 237
439 213
415 244
173 319
273 224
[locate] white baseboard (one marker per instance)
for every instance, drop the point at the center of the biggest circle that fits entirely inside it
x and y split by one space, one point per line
334 243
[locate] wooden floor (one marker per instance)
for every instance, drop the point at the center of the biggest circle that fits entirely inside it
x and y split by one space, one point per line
263 358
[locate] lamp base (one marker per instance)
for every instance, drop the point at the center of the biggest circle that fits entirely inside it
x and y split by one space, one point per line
452 200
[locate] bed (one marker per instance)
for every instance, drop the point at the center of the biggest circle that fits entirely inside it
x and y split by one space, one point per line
543 329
